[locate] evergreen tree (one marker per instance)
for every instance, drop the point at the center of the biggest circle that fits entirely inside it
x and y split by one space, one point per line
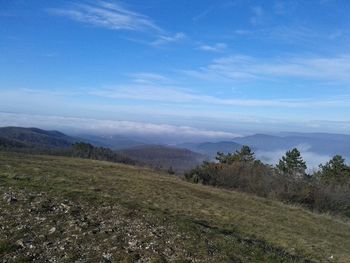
335 171
292 164
245 154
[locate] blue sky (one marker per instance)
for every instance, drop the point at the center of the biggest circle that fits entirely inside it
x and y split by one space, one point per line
227 67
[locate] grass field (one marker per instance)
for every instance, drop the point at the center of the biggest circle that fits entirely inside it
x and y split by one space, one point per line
65 210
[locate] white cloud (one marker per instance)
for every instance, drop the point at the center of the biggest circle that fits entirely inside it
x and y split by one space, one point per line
202 14
334 69
114 16
169 94
296 35
145 92
149 78
147 86
218 47
166 39
108 15
243 32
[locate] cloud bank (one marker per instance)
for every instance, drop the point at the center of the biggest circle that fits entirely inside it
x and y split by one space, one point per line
313 160
161 132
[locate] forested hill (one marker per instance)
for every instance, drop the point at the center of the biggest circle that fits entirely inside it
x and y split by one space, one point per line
37 141
34 137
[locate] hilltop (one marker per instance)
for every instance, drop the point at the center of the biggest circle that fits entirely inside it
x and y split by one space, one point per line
65 209
34 137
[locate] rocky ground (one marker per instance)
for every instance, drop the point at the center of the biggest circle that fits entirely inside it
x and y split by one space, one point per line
42 228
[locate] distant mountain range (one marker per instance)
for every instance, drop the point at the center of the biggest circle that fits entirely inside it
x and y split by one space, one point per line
318 143
114 142
187 155
210 149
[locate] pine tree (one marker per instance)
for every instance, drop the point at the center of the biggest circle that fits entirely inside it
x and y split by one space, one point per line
335 171
246 154
292 164
243 155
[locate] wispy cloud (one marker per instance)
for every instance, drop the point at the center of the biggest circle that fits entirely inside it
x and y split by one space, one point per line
292 34
169 94
149 78
107 15
58 93
257 17
284 7
115 16
166 39
147 93
214 6
203 14
218 47
238 67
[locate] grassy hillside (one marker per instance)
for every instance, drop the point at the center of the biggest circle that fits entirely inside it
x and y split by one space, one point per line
65 209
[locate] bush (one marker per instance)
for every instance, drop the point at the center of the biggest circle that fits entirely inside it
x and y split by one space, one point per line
327 190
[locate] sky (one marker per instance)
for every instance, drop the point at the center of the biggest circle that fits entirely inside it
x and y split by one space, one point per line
207 68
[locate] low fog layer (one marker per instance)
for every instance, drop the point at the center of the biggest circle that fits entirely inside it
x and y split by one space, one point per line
152 133
148 132
313 160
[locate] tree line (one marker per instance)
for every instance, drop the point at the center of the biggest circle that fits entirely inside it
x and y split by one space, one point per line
79 150
324 190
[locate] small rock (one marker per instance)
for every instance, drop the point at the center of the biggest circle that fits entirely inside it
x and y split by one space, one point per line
52 230
107 257
20 243
66 207
9 198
